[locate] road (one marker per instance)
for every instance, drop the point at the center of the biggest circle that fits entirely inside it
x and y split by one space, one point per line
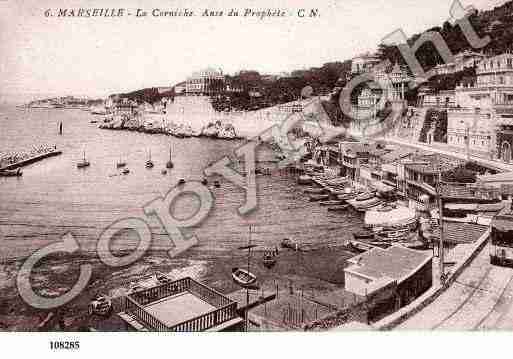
506 167
481 298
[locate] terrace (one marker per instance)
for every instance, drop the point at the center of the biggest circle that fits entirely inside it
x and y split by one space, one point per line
184 305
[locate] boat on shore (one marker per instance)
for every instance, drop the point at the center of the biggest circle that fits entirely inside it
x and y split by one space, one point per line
11 173
363 235
304 180
290 244
243 278
315 191
333 202
319 197
340 208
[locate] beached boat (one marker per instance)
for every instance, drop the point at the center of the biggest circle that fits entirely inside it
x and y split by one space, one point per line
11 173
288 243
319 197
83 162
334 202
346 196
365 196
315 191
269 260
363 235
242 277
304 180
339 208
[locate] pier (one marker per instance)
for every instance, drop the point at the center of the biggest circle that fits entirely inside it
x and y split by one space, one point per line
30 160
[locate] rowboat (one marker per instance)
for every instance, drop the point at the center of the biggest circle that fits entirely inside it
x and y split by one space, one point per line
365 196
304 179
340 208
333 203
181 181
217 184
242 277
11 173
319 197
125 171
363 235
315 191
347 196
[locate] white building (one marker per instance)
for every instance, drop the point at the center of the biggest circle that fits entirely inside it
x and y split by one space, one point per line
205 82
462 61
482 107
363 63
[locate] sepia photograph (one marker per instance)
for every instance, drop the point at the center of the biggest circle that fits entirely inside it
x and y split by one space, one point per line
333 167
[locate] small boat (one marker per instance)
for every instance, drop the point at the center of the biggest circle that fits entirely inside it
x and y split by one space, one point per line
363 235
304 179
339 208
149 163
120 163
204 182
164 171
181 181
319 197
11 173
169 164
269 260
242 277
288 243
125 171
217 184
347 196
365 196
94 121
332 203
83 163
315 191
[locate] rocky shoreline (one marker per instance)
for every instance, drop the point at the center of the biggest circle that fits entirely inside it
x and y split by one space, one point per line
215 130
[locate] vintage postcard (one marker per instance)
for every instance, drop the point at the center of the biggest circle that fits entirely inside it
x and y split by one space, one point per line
243 166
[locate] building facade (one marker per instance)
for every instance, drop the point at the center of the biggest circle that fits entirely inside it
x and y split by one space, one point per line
206 82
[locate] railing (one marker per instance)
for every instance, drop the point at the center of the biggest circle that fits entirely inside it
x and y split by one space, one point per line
153 294
225 310
149 321
209 295
208 320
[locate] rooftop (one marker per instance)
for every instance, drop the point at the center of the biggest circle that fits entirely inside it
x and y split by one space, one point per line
181 305
395 262
433 164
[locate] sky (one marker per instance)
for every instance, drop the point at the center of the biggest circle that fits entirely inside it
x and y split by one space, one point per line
99 56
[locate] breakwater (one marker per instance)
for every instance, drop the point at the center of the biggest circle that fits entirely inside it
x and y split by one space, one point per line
30 160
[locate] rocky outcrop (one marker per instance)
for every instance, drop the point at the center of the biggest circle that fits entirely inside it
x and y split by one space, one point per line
219 130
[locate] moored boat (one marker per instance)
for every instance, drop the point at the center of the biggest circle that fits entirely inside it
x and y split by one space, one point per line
83 162
149 162
11 173
339 208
